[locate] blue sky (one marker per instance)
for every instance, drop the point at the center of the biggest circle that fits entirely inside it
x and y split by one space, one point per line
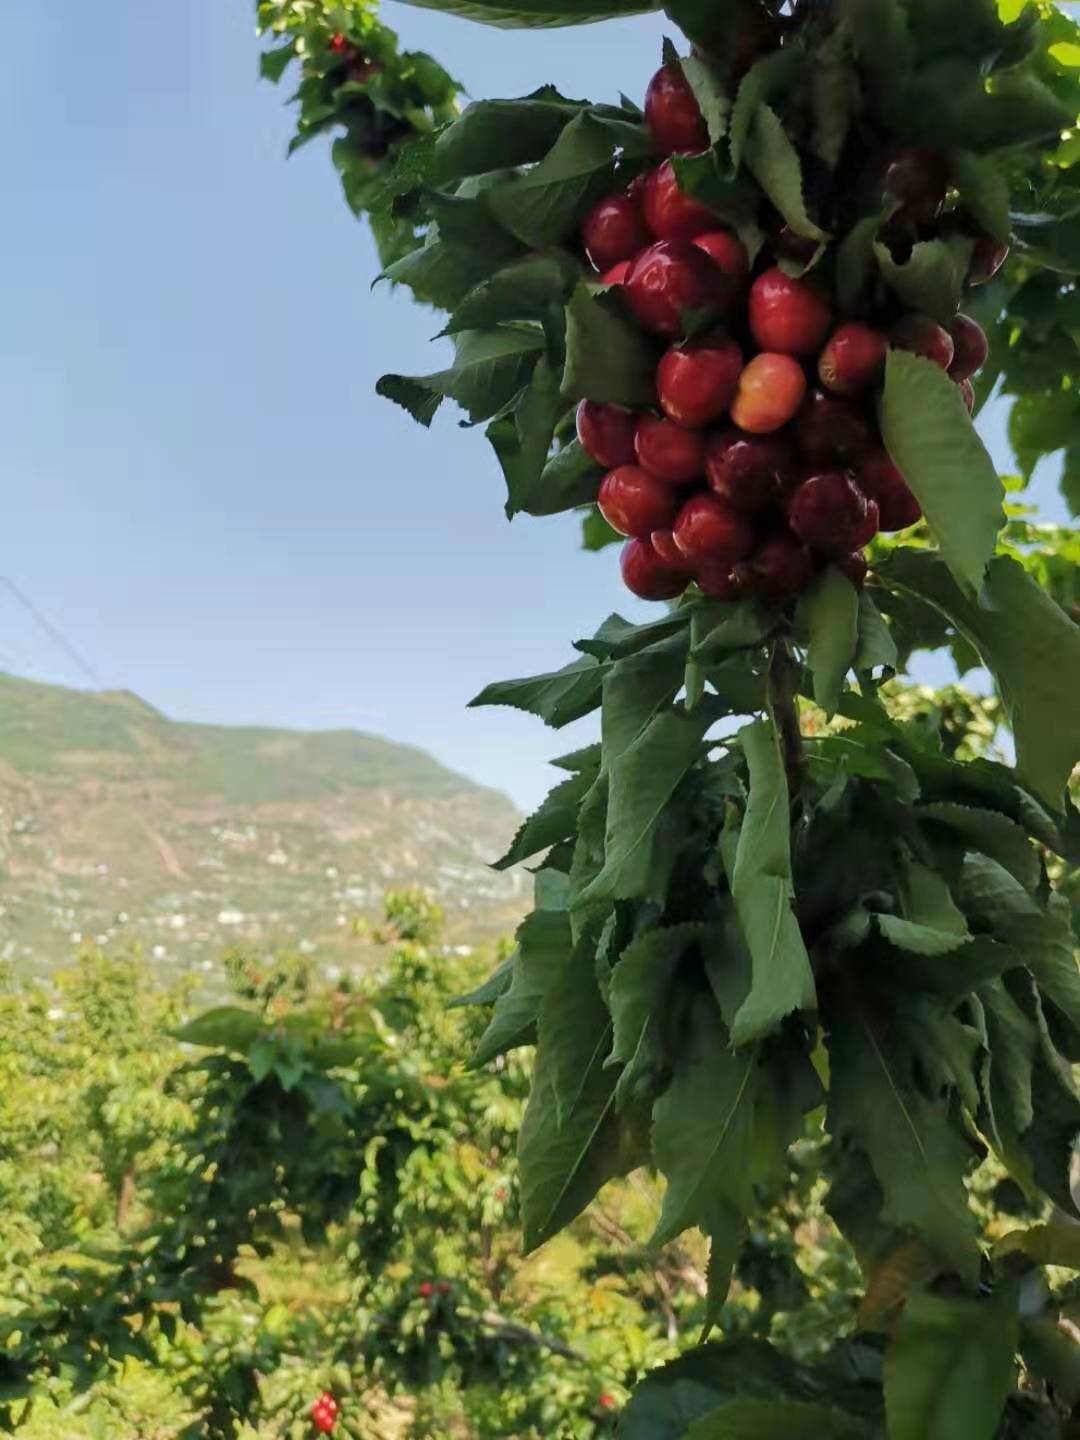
204 494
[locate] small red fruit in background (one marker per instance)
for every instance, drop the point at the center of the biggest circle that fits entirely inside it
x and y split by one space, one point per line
726 251
854 566
923 336
426 1289
853 360
670 281
986 260
917 180
614 230
617 274
663 542
829 429
788 316
708 530
882 481
633 502
670 213
646 575
672 113
607 1402
777 570
324 1414
771 390
967 390
668 451
831 514
748 471
970 348
339 45
606 433
328 1402
696 381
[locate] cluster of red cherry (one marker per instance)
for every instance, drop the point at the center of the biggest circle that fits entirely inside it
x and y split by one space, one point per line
324 1413
763 460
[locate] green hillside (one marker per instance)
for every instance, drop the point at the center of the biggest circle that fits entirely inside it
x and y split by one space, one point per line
121 826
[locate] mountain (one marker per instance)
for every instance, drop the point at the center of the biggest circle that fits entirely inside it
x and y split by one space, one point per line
123 827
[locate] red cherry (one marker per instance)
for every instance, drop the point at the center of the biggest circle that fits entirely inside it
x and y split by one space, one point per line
339 45
923 336
328 1402
426 1289
986 260
606 433
829 428
322 1417
670 213
970 348
607 1402
617 274
882 481
771 389
967 390
831 514
748 471
669 452
696 381
729 253
663 542
614 230
709 531
672 113
917 179
853 359
788 316
717 580
671 281
777 570
854 566
633 502
646 575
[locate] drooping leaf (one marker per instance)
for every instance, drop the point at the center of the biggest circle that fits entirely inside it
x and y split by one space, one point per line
226 1028
499 134
876 648
523 290
712 101
929 435
830 612
988 831
555 820
638 999
984 192
931 279
558 698
607 357
543 946
490 367
522 439
930 922
776 167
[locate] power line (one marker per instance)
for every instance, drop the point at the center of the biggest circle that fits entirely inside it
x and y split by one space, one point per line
46 626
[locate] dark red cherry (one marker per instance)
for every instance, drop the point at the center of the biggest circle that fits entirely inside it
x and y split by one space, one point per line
880 479
668 451
970 348
854 566
777 570
726 251
748 471
671 282
645 574
670 213
708 530
829 429
831 514
614 230
986 260
788 316
672 113
696 381
853 359
606 433
633 502
923 336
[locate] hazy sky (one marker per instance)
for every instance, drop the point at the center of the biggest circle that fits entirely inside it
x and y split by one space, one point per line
204 493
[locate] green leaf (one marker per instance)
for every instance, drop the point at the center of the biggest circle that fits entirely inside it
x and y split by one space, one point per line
557 698
929 435
225 1028
492 989
830 612
439 273
529 14
1055 1243
930 923
876 648
833 97
545 204
500 134
984 192
776 1420
522 440
988 831
918 1159
1050 241
523 290
555 820
490 367
931 280
1030 645
718 630
772 73
950 1367
543 945
776 167
712 101
569 479
274 63
607 357
638 999
761 885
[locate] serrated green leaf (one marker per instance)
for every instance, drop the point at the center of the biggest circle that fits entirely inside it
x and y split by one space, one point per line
830 612
931 280
568 479
950 1366
930 922
439 273
1030 645
775 165
530 14
525 289
855 263
984 192
555 820
522 440
876 648
833 97
543 947
490 367
717 629
607 357
991 833
929 435
492 989
500 134
638 1000
773 72
559 697
773 1419
274 63
709 94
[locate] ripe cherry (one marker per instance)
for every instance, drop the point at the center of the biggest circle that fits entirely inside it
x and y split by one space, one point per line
708 531
771 389
670 213
606 433
607 1402
967 390
668 451
696 381
788 316
633 502
718 581
614 230
831 514
880 479
617 274
426 1289
322 1418
853 360
672 281
726 251
829 428
748 471
970 348
777 570
917 180
672 113
646 575
923 336
986 260
328 1402
854 566
339 45
663 542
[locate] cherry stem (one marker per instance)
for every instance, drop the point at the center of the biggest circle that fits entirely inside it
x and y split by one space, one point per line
781 690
